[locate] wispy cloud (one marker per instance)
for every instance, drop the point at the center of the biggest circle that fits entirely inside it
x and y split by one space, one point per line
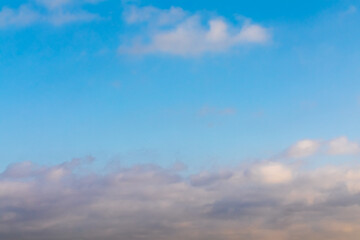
55 12
23 16
154 16
177 32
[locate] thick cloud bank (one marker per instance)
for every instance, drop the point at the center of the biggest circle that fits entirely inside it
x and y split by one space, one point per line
265 200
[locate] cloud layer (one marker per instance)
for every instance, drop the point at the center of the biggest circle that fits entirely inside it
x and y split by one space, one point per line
177 32
263 200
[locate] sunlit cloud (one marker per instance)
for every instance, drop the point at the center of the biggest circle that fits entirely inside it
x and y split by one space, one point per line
177 32
342 146
310 147
303 148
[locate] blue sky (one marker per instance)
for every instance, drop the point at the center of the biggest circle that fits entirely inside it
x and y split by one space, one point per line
88 78
197 120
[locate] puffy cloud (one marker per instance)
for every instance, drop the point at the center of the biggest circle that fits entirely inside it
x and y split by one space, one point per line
342 146
273 173
175 31
309 147
303 148
266 200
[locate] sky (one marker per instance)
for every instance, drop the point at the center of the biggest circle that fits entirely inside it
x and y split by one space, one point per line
179 119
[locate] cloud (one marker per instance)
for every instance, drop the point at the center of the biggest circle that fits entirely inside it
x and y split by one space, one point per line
23 16
155 16
51 4
273 173
54 4
61 17
177 32
58 12
342 146
309 147
303 149
265 200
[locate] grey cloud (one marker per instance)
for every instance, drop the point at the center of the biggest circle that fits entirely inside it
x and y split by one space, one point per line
150 202
207 178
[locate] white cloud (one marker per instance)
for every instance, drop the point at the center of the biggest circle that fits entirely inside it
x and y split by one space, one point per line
308 147
186 34
303 148
57 13
273 173
342 146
